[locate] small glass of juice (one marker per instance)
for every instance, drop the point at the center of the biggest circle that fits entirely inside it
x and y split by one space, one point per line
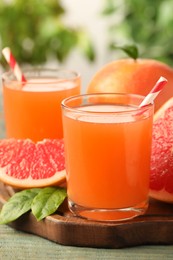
107 151
32 109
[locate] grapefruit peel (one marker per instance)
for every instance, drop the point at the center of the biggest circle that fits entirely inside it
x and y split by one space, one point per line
55 180
162 195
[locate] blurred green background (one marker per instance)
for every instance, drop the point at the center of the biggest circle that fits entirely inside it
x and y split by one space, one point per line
149 24
35 30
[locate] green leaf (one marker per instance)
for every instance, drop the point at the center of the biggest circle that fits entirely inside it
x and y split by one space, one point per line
131 50
42 202
47 202
17 205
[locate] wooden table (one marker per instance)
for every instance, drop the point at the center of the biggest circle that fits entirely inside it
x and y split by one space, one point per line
19 245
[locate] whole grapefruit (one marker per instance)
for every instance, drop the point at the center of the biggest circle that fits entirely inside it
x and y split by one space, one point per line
161 177
136 76
25 164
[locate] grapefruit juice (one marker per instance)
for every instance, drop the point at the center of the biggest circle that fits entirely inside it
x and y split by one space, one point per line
108 150
32 110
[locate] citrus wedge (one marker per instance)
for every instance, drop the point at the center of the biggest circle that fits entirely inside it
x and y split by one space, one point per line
161 177
25 164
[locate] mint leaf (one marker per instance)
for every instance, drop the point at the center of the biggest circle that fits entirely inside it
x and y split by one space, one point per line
17 205
47 201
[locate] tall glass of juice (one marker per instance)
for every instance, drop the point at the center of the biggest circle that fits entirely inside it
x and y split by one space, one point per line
32 109
107 150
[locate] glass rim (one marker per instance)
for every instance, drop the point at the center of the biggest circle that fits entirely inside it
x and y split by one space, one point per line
7 74
77 110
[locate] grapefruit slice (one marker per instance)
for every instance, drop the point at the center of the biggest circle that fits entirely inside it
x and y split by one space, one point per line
161 177
25 164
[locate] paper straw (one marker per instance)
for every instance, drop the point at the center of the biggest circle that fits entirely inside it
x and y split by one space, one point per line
13 64
154 92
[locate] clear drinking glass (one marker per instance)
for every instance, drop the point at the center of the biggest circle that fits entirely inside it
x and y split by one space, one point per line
107 151
33 109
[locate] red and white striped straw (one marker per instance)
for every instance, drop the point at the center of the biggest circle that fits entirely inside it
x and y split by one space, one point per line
154 92
13 64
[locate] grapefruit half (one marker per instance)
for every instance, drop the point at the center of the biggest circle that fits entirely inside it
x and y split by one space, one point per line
161 177
25 164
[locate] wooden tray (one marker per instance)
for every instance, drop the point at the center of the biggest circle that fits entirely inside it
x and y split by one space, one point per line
155 227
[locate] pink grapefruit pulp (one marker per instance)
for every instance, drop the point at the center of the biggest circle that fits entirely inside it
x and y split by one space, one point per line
161 178
25 164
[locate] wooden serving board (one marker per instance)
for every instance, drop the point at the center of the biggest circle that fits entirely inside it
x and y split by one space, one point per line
155 227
